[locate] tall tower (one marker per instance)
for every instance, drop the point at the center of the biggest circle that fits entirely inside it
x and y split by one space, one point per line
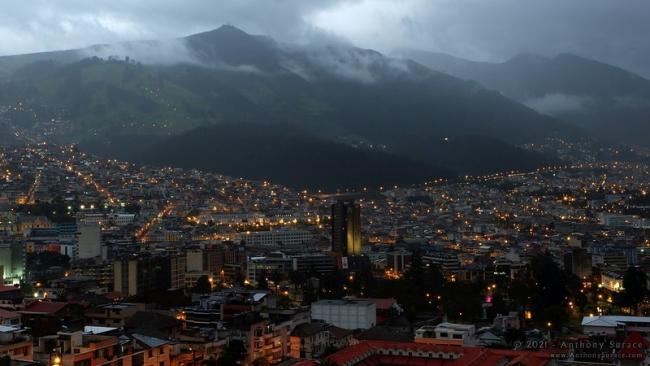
346 228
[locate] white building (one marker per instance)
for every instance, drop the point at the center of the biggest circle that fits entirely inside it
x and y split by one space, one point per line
446 333
609 325
346 314
612 281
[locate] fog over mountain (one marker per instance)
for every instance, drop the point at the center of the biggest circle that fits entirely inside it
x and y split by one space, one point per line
609 31
610 102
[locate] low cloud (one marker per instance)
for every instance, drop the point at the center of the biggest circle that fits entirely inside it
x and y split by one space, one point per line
349 63
163 52
160 52
558 104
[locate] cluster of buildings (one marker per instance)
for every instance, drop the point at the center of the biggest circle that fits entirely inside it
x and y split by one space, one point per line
104 262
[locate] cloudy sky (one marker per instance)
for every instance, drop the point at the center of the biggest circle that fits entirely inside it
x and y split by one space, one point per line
613 31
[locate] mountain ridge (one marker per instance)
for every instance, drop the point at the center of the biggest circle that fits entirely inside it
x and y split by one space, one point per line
610 102
228 76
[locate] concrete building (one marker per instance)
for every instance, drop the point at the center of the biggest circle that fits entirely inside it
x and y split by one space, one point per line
290 238
16 343
194 260
178 270
579 262
309 340
612 281
12 263
140 275
318 263
446 333
613 325
346 314
398 260
90 239
267 266
111 315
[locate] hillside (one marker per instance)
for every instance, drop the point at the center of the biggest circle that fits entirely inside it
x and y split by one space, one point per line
610 102
287 156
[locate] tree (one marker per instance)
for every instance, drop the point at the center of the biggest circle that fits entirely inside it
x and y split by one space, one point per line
463 300
549 290
203 285
634 288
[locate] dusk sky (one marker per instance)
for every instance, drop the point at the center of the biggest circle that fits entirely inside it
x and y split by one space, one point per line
612 31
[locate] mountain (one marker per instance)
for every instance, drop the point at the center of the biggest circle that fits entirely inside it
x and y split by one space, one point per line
610 102
226 76
284 155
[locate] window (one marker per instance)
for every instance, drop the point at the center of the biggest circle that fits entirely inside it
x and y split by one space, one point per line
458 336
150 353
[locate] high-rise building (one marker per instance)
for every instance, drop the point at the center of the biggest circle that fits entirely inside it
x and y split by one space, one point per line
12 262
346 228
578 261
141 275
90 240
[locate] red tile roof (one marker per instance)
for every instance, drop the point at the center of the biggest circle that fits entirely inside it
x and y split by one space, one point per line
42 307
367 353
634 347
384 304
6 314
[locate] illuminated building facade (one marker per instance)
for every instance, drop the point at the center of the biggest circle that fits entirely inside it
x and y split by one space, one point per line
346 228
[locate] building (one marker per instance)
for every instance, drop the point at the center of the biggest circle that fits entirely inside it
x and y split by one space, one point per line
313 263
89 241
267 266
397 260
446 334
346 314
12 263
447 262
178 270
578 262
96 348
141 275
9 318
194 260
613 325
111 315
283 237
16 343
616 220
11 297
346 228
101 272
266 339
612 281
309 340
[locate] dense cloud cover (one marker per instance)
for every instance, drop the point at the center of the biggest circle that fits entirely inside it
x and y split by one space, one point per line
607 30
